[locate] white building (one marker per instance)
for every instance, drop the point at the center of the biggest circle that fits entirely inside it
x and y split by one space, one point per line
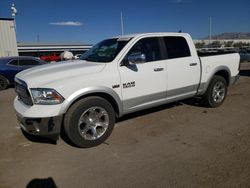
8 43
222 41
40 49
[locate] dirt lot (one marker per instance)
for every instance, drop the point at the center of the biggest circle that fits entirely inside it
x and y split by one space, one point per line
176 145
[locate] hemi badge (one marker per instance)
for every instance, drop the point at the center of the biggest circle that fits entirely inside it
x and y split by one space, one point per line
115 86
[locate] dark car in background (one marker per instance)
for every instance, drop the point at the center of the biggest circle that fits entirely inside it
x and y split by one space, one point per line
10 66
244 55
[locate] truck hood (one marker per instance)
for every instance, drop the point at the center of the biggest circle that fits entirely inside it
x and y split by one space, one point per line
49 73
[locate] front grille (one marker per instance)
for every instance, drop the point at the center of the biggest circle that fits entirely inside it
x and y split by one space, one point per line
23 92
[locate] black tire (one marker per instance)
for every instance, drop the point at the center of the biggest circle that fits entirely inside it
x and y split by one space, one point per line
83 108
209 99
3 82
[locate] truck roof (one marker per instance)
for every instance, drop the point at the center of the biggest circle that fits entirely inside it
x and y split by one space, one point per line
150 34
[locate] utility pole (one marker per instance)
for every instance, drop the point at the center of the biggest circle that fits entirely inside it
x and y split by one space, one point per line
122 29
210 30
38 38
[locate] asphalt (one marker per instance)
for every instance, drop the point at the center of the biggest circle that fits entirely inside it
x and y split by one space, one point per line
181 144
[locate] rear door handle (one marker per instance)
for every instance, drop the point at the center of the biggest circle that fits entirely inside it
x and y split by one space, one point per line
193 64
158 69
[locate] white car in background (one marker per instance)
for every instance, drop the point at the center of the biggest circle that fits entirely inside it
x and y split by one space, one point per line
77 56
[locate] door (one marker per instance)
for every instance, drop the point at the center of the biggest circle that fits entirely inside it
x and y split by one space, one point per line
144 83
183 68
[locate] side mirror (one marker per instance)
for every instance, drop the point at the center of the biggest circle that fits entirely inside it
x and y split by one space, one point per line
136 58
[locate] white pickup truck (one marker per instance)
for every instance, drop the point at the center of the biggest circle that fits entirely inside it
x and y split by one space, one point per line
118 76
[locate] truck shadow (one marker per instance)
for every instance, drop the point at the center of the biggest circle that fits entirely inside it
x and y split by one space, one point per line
195 101
39 139
190 101
245 73
64 137
148 111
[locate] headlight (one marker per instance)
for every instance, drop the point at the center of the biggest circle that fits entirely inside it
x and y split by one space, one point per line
46 96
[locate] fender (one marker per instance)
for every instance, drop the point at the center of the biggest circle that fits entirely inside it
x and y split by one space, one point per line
203 86
89 90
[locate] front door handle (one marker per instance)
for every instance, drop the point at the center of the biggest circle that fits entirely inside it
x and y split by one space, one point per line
158 69
193 64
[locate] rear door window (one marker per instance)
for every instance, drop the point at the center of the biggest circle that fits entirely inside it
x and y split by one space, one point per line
176 47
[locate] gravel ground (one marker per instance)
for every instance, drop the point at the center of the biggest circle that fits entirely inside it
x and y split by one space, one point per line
177 145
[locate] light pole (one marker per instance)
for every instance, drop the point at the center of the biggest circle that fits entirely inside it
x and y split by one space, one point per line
14 13
122 28
210 30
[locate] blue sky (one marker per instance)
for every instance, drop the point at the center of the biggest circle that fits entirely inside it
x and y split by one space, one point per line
92 21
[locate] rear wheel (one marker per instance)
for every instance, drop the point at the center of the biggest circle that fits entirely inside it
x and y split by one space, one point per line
3 82
216 92
89 122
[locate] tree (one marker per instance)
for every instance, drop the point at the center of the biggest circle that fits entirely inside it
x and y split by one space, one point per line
229 44
215 44
200 44
239 44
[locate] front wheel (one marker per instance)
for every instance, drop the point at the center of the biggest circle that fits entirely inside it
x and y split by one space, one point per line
216 92
89 122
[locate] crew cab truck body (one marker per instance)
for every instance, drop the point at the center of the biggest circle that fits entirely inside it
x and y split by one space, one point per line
118 76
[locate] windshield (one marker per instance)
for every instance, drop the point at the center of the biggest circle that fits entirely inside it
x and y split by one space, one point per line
105 51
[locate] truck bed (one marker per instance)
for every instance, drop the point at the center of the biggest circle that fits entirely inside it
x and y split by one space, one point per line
216 61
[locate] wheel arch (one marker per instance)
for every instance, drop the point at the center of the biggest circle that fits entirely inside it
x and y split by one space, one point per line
225 74
106 93
219 71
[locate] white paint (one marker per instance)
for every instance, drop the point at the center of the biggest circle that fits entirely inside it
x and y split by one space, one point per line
74 77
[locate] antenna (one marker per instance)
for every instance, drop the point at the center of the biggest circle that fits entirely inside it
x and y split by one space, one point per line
122 29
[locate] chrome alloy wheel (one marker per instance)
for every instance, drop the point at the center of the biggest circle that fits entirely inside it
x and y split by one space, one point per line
219 92
93 123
